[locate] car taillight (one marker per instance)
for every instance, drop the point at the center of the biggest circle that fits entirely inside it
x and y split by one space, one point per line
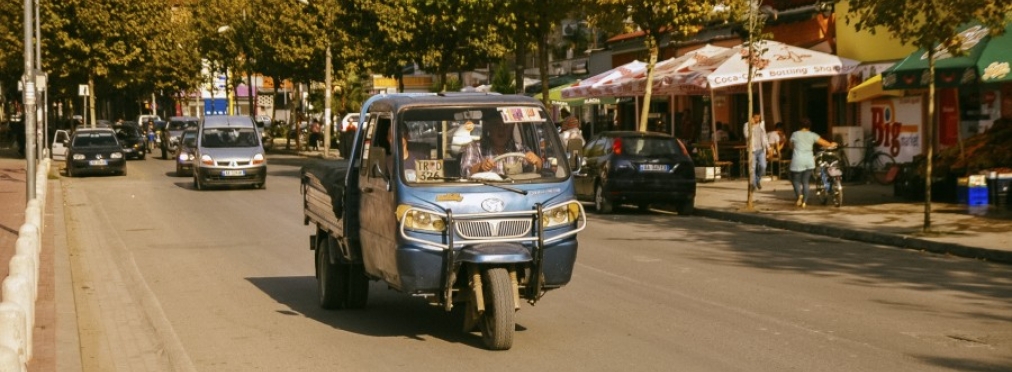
616 146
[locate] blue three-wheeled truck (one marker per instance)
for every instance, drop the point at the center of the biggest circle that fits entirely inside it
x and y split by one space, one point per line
466 199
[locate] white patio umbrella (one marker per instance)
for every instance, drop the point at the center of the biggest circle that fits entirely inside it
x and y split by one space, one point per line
782 62
588 86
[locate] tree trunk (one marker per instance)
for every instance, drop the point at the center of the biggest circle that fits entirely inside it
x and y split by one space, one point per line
651 61
932 122
543 69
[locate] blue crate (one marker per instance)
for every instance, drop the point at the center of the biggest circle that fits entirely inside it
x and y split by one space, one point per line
972 195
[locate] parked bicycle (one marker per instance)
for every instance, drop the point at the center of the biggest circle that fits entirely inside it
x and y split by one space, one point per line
828 176
875 165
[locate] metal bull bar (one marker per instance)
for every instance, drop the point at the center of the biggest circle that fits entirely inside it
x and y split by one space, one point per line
455 238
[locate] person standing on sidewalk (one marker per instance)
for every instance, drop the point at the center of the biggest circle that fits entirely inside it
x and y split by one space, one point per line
803 159
755 131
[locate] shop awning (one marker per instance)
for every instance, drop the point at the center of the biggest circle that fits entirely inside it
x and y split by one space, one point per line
986 59
869 89
555 96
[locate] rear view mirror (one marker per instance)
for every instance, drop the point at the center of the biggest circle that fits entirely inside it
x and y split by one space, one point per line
467 115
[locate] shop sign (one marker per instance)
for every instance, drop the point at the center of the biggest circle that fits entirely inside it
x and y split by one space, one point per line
894 125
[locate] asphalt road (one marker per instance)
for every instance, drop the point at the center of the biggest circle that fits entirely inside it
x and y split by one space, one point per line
167 278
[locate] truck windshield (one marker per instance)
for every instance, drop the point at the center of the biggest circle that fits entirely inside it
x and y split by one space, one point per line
516 144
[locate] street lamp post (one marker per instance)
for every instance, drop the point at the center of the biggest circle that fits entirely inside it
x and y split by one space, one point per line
29 97
328 94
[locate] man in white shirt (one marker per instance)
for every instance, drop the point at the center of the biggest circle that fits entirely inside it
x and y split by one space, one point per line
757 143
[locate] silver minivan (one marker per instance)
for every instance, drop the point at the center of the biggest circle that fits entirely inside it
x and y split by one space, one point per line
229 152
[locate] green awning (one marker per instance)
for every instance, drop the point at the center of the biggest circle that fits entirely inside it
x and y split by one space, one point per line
555 95
986 60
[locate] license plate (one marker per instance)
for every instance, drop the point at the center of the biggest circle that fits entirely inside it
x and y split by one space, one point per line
653 167
98 162
233 173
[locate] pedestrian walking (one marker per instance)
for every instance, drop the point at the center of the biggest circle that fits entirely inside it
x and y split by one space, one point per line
314 135
803 159
758 142
150 136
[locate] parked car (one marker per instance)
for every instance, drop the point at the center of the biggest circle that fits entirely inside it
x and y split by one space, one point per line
173 129
229 152
640 168
131 137
94 151
184 152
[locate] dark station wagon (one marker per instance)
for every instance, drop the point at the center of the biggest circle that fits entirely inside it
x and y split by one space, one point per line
639 168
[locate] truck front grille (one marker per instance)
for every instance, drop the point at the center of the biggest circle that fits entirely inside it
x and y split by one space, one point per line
485 229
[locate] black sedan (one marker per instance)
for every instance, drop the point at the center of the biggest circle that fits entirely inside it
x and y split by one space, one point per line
639 168
94 151
132 139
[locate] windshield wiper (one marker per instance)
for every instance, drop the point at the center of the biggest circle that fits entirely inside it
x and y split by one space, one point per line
483 182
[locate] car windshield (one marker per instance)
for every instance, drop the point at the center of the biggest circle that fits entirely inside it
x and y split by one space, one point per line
125 132
229 137
181 125
189 138
101 139
487 144
650 146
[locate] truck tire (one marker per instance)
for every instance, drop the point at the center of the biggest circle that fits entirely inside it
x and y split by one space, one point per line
498 322
331 291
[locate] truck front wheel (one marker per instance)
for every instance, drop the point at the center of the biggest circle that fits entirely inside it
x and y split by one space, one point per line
498 321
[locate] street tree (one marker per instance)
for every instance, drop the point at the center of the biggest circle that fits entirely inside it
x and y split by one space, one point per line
102 41
456 35
749 17
529 23
387 34
930 26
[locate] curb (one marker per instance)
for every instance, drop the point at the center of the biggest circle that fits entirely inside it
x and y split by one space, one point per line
897 241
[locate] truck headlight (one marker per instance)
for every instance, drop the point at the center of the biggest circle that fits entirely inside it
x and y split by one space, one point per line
561 215
415 219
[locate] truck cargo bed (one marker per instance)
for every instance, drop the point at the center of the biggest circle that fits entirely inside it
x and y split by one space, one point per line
323 195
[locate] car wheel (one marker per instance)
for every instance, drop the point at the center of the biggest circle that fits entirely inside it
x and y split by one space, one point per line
686 207
601 202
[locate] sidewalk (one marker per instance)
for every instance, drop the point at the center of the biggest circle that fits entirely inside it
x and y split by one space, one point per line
55 345
870 213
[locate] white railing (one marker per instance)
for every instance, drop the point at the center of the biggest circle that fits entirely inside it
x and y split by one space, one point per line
21 287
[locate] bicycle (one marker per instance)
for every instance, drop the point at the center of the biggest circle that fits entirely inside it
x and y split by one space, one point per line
874 165
828 176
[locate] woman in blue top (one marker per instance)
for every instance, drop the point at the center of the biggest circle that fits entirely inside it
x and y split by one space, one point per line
803 159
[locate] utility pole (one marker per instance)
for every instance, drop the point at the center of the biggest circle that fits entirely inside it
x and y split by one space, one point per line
28 95
328 94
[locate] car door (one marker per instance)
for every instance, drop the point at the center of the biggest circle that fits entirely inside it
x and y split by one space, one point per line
59 148
378 220
585 178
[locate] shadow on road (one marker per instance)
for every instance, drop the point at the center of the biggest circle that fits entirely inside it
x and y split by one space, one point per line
388 313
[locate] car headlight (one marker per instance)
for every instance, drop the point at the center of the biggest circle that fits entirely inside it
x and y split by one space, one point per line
420 220
116 155
78 156
259 159
206 160
185 156
561 215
